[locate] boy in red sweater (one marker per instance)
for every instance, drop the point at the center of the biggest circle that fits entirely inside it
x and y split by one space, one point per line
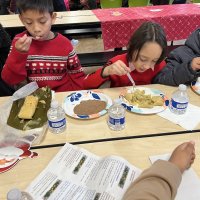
144 59
41 55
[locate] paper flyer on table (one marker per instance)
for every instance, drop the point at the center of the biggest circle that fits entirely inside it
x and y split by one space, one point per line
190 184
75 173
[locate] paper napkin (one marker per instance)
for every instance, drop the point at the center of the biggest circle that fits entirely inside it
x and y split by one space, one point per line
188 121
190 183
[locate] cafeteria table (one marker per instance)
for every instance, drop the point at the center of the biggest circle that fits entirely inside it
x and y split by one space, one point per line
137 125
118 24
66 20
136 151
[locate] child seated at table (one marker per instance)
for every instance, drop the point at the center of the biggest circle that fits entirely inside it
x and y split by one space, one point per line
40 55
143 60
163 178
183 63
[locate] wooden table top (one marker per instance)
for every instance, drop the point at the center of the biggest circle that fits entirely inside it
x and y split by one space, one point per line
68 17
97 129
136 151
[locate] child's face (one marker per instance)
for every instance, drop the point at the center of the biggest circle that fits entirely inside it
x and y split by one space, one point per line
38 24
147 57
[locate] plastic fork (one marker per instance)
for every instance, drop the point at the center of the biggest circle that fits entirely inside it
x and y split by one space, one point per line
131 79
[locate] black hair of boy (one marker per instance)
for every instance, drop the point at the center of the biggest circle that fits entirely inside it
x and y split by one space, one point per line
147 32
38 5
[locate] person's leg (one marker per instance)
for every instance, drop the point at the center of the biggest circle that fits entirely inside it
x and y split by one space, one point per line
179 1
4 5
92 4
160 2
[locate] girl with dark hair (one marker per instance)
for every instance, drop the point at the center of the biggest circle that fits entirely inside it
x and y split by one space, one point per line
144 60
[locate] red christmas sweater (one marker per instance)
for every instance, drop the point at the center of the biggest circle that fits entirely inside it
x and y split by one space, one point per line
52 63
94 80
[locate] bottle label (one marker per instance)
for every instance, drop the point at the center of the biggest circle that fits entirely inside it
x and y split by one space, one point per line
178 106
120 121
57 124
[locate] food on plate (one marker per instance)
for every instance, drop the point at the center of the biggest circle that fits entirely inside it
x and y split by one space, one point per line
88 107
142 100
28 108
38 102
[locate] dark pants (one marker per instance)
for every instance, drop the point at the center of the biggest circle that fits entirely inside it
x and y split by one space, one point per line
160 2
4 5
59 5
179 1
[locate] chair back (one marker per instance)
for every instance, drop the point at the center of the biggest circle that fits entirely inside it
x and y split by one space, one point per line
136 3
111 3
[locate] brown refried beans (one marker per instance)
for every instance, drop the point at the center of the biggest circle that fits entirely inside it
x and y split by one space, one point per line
89 107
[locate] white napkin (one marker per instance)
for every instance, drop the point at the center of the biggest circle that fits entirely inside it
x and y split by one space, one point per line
188 121
190 184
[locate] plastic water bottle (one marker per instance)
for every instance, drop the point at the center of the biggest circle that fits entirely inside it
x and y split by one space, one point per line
198 82
116 119
16 194
179 101
74 42
56 118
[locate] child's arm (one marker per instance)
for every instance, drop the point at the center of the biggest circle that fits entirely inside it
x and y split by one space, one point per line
14 71
178 69
96 79
75 70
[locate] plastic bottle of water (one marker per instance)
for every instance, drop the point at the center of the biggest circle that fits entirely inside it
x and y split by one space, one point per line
56 118
116 119
16 194
179 101
198 82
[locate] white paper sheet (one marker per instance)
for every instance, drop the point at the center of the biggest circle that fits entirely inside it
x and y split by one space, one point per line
189 188
75 173
188 121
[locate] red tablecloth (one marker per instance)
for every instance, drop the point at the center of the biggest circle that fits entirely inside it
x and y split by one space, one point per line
118 24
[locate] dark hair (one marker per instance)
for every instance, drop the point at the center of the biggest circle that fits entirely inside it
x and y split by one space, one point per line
39 5
147 32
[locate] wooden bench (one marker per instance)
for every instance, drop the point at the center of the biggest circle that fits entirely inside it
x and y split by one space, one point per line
97 58
81 31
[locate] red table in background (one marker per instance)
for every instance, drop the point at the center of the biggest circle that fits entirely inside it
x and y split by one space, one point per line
118 24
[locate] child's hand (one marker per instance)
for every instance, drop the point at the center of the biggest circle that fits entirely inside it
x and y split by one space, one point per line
117 68
83 2
183 156
23 44
195 64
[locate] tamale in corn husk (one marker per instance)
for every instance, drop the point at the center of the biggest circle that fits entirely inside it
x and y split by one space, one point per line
40 116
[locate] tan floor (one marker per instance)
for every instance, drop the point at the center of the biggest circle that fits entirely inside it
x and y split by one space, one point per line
89 44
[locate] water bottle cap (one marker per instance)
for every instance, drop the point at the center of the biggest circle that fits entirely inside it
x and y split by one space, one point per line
14 194
54 104
182 87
